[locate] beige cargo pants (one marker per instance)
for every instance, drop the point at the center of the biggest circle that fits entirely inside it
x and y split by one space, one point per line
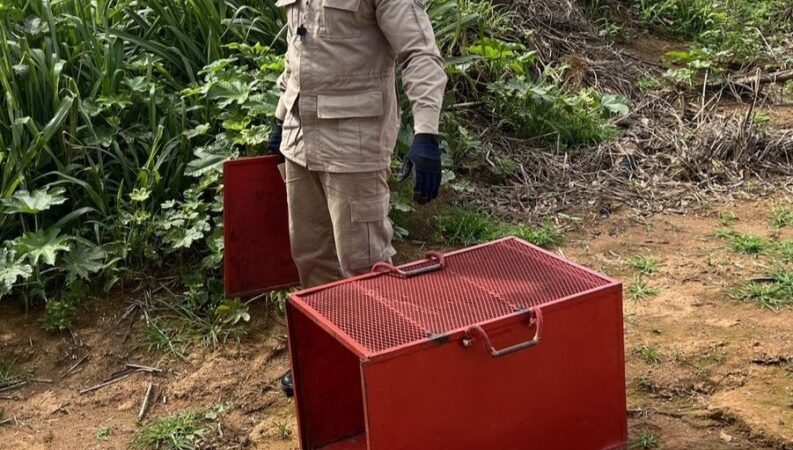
338 222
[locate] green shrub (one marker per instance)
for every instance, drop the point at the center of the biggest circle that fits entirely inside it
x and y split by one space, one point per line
463 226
546 235
179 432
545 111
740 27
109 116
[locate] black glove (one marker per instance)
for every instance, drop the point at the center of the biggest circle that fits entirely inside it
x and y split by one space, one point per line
274 144
425 156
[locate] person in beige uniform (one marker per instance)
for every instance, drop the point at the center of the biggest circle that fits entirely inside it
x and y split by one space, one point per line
337 122
336 126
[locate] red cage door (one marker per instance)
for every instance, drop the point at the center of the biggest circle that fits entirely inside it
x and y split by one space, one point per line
258 254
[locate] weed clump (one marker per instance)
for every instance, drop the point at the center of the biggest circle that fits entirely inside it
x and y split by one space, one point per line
462 226
748 244
649 354
645 265
639 289
178 432
773 292
782 217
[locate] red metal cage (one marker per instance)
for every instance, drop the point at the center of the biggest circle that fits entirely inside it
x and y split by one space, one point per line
503 346
257 252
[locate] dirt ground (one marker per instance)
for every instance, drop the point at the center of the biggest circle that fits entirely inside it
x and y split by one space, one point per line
723 379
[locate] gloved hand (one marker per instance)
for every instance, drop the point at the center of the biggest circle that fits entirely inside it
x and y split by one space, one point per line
274 144
425 156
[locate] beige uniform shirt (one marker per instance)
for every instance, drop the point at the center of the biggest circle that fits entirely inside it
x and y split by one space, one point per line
339 103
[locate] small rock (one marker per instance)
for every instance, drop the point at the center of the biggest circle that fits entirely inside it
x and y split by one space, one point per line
726 437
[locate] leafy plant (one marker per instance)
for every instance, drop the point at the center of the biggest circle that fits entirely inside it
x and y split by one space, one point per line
58 316
639 289
773 294
646 265
785 249
728 219
749 244
283 429
232 311
464 226
649 354
649 82
102 109
10 375
646 439
179 432
12 270
546 235
782 217
104 433
543 110
739 27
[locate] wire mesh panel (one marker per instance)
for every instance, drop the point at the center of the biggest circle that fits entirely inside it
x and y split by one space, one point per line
474 286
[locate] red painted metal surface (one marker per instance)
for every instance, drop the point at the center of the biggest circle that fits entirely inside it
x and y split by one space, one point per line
499 347
257 254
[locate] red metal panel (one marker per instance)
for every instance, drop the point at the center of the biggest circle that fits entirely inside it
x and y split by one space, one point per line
381 313
327 379
568 392
258 254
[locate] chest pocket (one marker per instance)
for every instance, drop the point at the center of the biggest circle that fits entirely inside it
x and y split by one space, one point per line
341 19
291 12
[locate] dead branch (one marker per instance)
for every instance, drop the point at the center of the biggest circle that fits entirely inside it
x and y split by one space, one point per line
146 399
14 386
781 76
146 369
75 365
101 385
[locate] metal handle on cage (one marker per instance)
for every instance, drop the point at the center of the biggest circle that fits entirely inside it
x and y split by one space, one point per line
478 330
439 264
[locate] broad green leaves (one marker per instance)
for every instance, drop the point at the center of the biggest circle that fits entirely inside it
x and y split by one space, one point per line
83 260
615 104
24 202
12 270
232 311
42 246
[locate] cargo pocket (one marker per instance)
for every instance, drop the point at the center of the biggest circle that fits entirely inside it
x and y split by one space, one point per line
369 215
340 19
291 12
349 127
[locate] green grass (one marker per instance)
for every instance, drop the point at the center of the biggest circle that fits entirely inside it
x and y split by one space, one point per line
464 226
104 433
649 354
749 244
284 430
785 250
164 336
11 375
728 219
547 235
724 233
645 439
178 432
645 265
639 289
182 326
774 294
782 217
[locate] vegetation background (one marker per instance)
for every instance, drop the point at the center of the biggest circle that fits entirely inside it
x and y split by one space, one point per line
116 117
